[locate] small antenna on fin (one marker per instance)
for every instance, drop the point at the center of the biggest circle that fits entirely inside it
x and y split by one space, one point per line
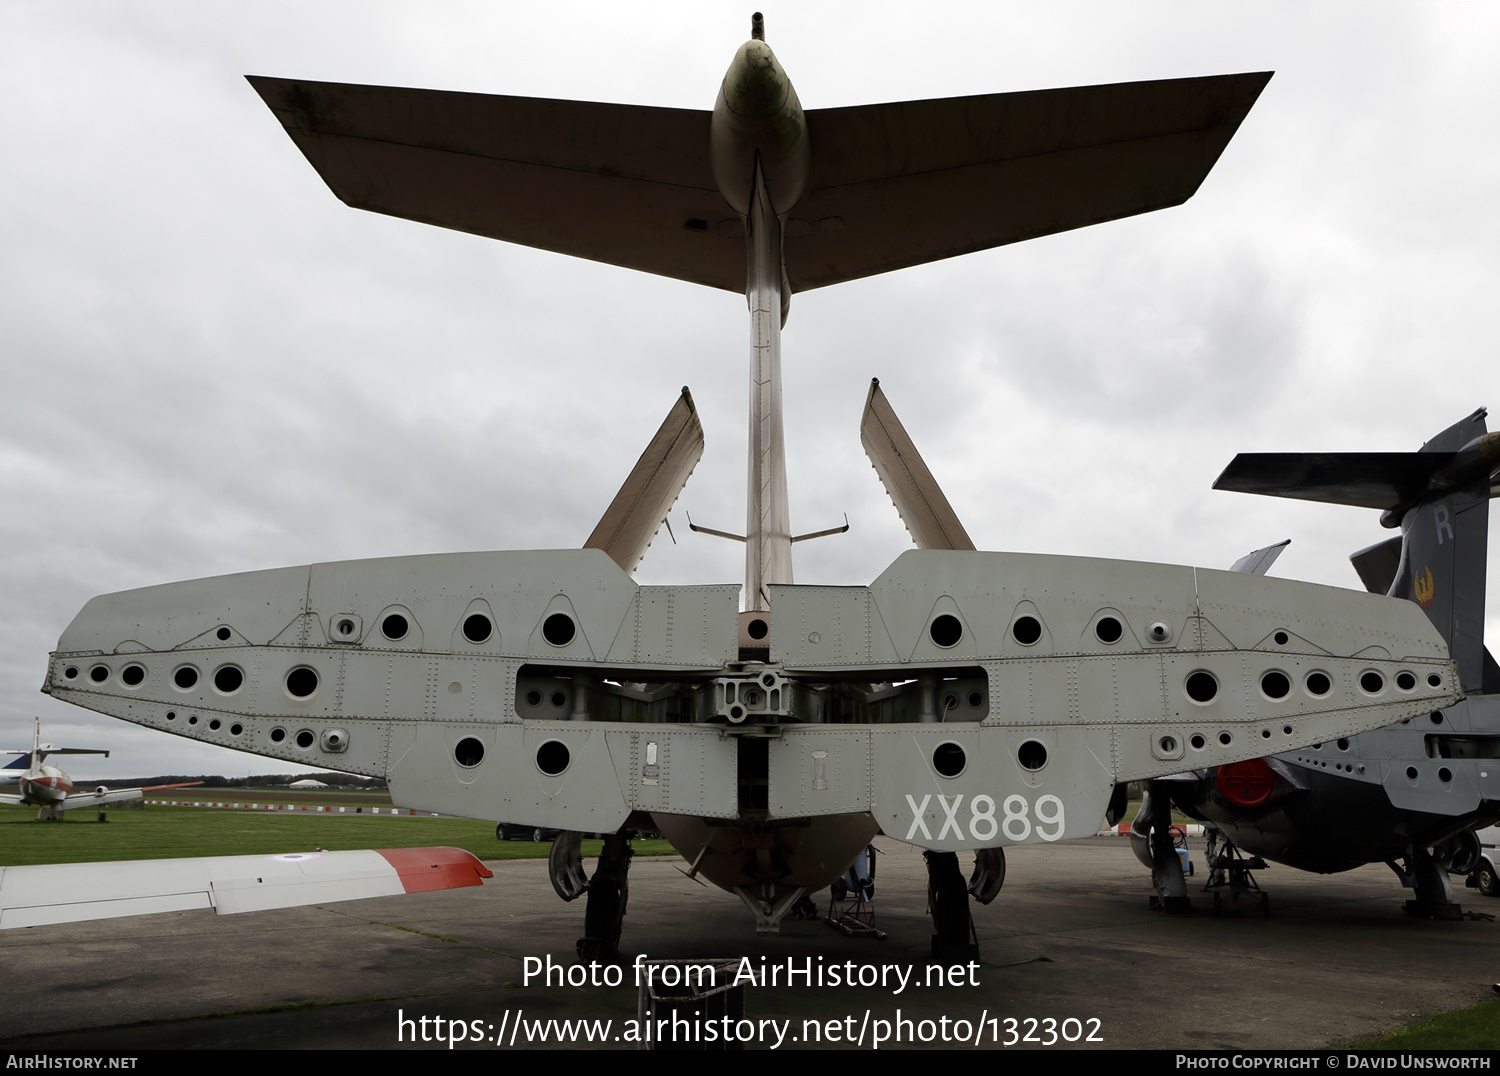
758 27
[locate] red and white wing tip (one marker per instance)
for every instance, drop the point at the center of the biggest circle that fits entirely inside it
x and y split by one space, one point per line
77 892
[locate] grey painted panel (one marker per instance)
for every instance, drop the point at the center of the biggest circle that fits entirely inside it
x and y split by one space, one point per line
508 785
695 770
825 626
821 770
994 800
1067 592
1428 791
257 604
680 626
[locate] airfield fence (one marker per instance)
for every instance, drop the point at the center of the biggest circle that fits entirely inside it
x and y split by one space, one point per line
303 807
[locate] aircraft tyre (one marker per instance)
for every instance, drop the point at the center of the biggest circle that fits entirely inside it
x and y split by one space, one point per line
537 836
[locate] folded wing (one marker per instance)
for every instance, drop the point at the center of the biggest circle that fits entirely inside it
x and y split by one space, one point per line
929 518
652 487
77 892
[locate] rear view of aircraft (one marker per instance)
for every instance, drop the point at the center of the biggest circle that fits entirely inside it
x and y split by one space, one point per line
963 701
51 790
1412 791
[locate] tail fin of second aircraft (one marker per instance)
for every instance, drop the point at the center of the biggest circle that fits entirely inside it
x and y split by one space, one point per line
1439 495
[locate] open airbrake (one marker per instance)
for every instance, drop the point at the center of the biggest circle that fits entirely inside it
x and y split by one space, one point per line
964 700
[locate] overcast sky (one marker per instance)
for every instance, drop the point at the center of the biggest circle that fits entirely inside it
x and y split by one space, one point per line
211 365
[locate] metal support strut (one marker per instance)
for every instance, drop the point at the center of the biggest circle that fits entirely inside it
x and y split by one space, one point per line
1427 876
1151 840
955 940
604 916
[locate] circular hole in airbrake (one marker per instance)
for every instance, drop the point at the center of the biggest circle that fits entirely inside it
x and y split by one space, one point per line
558 629
477 627
469 752
1201 686
394 627
1275 685
301 682
946 630
1032 755
553 757
949 759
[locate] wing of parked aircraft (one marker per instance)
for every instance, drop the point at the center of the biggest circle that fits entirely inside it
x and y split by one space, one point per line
77 892
99 797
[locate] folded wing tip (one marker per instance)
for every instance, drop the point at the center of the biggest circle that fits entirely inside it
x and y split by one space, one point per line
425 869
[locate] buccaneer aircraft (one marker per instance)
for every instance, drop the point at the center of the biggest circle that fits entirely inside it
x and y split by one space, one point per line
962 701
1415 790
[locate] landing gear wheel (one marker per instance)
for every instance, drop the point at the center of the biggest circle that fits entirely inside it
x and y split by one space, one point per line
537 836
1488 884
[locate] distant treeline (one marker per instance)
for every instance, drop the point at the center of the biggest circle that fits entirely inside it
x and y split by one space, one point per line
333 780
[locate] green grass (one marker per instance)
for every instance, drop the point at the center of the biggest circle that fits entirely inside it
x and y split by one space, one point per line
181 832
1465 1029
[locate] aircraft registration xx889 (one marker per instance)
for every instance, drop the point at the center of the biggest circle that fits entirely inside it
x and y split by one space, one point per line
964 700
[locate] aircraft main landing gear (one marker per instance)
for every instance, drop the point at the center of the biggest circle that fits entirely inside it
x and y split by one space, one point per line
956 941
1427 876
1152 841
604 915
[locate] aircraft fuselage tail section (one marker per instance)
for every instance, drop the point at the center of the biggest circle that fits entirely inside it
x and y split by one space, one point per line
1444 559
